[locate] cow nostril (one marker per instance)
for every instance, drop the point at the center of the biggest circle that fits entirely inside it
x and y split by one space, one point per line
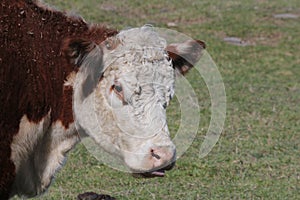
154 154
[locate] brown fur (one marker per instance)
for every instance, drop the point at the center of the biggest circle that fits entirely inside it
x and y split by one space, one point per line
33 70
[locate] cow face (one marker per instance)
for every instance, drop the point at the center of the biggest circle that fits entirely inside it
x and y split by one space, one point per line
122 90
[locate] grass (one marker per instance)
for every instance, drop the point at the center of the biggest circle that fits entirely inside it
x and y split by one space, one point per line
257 156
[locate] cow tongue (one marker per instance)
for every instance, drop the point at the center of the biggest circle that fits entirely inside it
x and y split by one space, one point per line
152 174
160 173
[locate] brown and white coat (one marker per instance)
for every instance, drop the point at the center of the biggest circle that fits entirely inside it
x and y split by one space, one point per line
52 66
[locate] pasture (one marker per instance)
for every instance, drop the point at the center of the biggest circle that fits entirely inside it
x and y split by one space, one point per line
258 153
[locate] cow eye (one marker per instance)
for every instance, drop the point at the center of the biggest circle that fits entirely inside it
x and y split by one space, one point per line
108 45
118 88
165 105
111 43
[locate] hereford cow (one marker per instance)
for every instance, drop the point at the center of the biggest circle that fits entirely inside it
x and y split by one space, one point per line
60 76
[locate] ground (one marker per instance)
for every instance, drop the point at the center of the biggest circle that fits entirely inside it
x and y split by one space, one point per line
257 156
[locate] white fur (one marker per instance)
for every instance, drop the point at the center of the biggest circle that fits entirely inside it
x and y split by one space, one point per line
129 130
62 141
26 139
38 151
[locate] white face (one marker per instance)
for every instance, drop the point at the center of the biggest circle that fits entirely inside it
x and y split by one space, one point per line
121 92
131 99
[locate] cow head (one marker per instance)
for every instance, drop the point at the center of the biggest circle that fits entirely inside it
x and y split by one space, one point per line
122 89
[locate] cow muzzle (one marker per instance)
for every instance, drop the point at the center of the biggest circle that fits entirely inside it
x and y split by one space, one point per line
162 159
158 172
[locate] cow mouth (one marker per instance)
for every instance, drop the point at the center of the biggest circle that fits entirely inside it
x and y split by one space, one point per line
155 173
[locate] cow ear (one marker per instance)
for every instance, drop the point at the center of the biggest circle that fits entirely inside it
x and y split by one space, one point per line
76 50
88 57
185 55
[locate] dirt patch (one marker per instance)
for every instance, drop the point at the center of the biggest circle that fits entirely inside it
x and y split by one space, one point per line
285 16
236 41
266 39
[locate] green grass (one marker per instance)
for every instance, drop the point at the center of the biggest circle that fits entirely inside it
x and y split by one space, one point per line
258 154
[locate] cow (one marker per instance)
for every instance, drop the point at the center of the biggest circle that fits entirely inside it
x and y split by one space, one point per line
62 78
